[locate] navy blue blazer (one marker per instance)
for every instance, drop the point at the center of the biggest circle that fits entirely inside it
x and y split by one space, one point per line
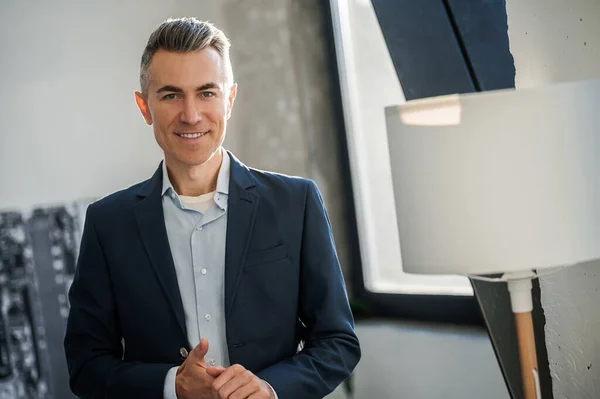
283 286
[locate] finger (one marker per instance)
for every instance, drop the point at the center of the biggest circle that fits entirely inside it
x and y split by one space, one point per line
240 386
249 390
198 353
215 371
227 375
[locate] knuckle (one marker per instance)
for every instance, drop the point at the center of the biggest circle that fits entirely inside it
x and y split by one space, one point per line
226 394
238 368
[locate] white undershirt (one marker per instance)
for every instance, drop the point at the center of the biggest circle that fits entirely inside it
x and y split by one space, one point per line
201 203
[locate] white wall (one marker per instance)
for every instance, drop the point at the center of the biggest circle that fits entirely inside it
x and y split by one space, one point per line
556 41
407 360
69 127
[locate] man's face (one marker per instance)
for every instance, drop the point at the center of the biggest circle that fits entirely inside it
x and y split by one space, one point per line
188 104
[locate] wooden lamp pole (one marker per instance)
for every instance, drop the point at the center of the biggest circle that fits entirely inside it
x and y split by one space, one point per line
522 306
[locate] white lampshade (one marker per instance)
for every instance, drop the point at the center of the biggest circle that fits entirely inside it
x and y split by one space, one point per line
499 181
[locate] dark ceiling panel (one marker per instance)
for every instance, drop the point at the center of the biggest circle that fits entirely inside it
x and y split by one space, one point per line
423 47
483 32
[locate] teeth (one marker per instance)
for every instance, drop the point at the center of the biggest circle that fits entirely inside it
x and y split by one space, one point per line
192 136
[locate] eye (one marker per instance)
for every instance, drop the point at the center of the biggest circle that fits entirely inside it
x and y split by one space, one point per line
171 96
207 94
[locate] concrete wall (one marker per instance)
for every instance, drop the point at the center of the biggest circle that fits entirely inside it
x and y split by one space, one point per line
70 128
556 41
283 118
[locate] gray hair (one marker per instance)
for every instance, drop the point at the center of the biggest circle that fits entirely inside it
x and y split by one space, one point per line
184 35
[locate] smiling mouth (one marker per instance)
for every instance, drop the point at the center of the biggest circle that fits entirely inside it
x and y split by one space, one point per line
191 135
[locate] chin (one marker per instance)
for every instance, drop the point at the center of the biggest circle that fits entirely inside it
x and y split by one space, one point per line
194 157
195 160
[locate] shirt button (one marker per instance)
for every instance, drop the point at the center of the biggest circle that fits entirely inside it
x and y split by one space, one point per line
203 271
212 362
207 317
183 352
199 228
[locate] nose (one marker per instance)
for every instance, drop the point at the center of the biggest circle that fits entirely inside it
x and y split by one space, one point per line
190 114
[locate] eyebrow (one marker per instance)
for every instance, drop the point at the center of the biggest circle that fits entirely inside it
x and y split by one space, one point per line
175 89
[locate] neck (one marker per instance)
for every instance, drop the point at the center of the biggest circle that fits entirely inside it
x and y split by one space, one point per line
192 181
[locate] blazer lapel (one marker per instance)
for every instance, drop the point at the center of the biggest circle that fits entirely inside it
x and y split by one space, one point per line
151 223
241 212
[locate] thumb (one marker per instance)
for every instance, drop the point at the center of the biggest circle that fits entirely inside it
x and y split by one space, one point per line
200 351
215 371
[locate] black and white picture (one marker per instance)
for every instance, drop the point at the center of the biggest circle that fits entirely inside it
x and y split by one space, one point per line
38 253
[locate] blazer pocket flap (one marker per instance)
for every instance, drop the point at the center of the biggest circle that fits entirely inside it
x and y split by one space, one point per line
266 256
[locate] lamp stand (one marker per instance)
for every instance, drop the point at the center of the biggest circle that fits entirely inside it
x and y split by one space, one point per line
522 306
527 353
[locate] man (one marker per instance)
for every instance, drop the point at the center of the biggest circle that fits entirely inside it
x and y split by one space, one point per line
210 279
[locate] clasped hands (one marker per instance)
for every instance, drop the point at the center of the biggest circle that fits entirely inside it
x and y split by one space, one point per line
195 380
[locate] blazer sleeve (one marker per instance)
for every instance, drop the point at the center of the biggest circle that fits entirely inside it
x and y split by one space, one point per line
331 349
92 342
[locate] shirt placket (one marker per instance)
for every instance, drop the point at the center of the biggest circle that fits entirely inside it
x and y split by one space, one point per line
203 271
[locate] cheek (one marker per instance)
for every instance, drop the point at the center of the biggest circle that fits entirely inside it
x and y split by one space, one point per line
218 115
164 118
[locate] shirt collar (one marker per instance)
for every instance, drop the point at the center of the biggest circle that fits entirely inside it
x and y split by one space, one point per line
222 178
224 174
166 185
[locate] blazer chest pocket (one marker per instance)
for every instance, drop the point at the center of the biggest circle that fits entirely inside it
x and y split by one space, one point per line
266 256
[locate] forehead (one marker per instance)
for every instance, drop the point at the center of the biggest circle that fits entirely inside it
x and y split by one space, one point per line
187 69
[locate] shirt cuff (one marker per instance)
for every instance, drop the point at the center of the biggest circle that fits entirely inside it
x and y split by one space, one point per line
169 389
274 393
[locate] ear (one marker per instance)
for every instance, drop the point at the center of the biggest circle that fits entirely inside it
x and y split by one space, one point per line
142 104
231 99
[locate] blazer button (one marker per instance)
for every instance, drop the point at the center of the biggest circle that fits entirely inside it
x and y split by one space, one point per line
183 352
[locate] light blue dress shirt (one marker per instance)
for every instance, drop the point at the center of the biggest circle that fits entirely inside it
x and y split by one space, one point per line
197 244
